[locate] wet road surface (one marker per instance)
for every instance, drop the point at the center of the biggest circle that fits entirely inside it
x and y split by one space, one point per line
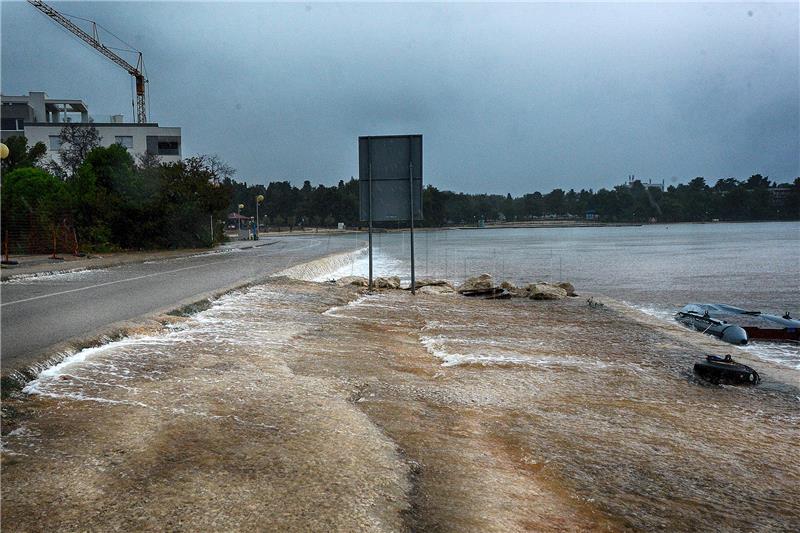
41 311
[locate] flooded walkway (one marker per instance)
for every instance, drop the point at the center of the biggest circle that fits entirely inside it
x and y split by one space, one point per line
301 406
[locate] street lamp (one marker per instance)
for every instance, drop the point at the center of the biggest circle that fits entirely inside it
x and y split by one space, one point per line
259 199
239 220
3 151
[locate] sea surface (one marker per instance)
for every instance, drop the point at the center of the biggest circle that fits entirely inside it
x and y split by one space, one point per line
655 268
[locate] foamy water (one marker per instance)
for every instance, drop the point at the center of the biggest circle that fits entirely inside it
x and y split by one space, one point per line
79 274
655 269
784 353
608 406
610 402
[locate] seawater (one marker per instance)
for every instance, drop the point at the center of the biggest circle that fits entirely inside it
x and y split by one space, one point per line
656 269
534 409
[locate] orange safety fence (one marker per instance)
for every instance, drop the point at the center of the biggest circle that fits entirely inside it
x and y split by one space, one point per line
29 236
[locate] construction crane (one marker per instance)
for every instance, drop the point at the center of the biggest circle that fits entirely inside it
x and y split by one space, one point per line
94 42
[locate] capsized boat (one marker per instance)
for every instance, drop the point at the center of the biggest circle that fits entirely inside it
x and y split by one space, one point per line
726 370
698 316
736 325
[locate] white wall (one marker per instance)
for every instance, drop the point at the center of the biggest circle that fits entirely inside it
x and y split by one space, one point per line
108 134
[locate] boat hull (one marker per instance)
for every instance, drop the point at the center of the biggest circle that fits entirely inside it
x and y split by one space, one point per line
773 335
727 332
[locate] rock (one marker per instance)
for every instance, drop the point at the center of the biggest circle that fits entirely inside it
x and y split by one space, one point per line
477 285
392 282
507 285
546 291
432 283
436 289
567 286
357 281
520 292
498 294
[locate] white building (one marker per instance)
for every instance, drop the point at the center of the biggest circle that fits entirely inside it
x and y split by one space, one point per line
40 119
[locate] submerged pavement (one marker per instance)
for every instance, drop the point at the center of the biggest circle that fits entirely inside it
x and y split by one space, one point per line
41 312
294 406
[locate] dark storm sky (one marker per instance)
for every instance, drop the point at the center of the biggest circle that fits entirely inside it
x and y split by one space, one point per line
509 98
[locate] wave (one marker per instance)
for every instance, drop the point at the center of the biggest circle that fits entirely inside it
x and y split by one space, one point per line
436 346
326 268
355 263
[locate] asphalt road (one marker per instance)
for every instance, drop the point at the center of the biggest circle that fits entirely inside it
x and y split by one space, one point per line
39 313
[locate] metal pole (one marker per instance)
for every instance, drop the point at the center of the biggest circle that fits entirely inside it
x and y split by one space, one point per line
256 235
369 208
411 202
212 230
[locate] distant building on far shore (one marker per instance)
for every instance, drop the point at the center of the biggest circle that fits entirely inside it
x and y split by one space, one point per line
649 184
40 119
779 195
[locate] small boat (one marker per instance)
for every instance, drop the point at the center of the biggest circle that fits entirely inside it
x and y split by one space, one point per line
714 318
718 370
696 316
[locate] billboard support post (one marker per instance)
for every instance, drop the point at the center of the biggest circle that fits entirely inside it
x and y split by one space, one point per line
411 218
369 151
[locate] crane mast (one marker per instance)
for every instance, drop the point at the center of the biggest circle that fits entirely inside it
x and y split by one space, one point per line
94 42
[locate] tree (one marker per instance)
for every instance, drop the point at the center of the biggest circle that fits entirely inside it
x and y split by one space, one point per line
148 160
20 156
77 140
33 199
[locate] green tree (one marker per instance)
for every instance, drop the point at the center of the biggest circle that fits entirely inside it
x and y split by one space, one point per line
77 140
20 155
33 199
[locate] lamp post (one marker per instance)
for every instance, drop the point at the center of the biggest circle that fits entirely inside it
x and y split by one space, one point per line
259 199
3 151
239 220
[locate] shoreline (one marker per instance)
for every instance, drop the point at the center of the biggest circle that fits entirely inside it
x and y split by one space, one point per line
578 223
310 406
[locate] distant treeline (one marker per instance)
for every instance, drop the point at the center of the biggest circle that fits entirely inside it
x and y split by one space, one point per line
100 198
756 198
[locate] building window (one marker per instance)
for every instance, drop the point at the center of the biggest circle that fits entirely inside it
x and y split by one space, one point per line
168 148
164 144
124 140
11 124
55 142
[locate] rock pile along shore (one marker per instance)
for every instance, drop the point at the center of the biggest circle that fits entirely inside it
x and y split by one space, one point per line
483 286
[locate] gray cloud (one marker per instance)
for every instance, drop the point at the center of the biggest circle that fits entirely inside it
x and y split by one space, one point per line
510 98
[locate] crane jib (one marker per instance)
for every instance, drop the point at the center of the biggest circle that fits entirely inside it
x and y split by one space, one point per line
141 105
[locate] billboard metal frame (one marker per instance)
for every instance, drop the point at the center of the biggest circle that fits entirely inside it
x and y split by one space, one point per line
390 169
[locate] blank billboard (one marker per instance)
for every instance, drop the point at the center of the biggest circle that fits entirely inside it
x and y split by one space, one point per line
388 166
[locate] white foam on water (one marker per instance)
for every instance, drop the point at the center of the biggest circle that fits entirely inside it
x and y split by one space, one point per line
326 268
437 346
783 353
64 275
347 264
219 251
233 323
59 369
361 301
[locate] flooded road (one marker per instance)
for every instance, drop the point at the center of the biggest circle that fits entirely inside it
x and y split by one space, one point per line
303 406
